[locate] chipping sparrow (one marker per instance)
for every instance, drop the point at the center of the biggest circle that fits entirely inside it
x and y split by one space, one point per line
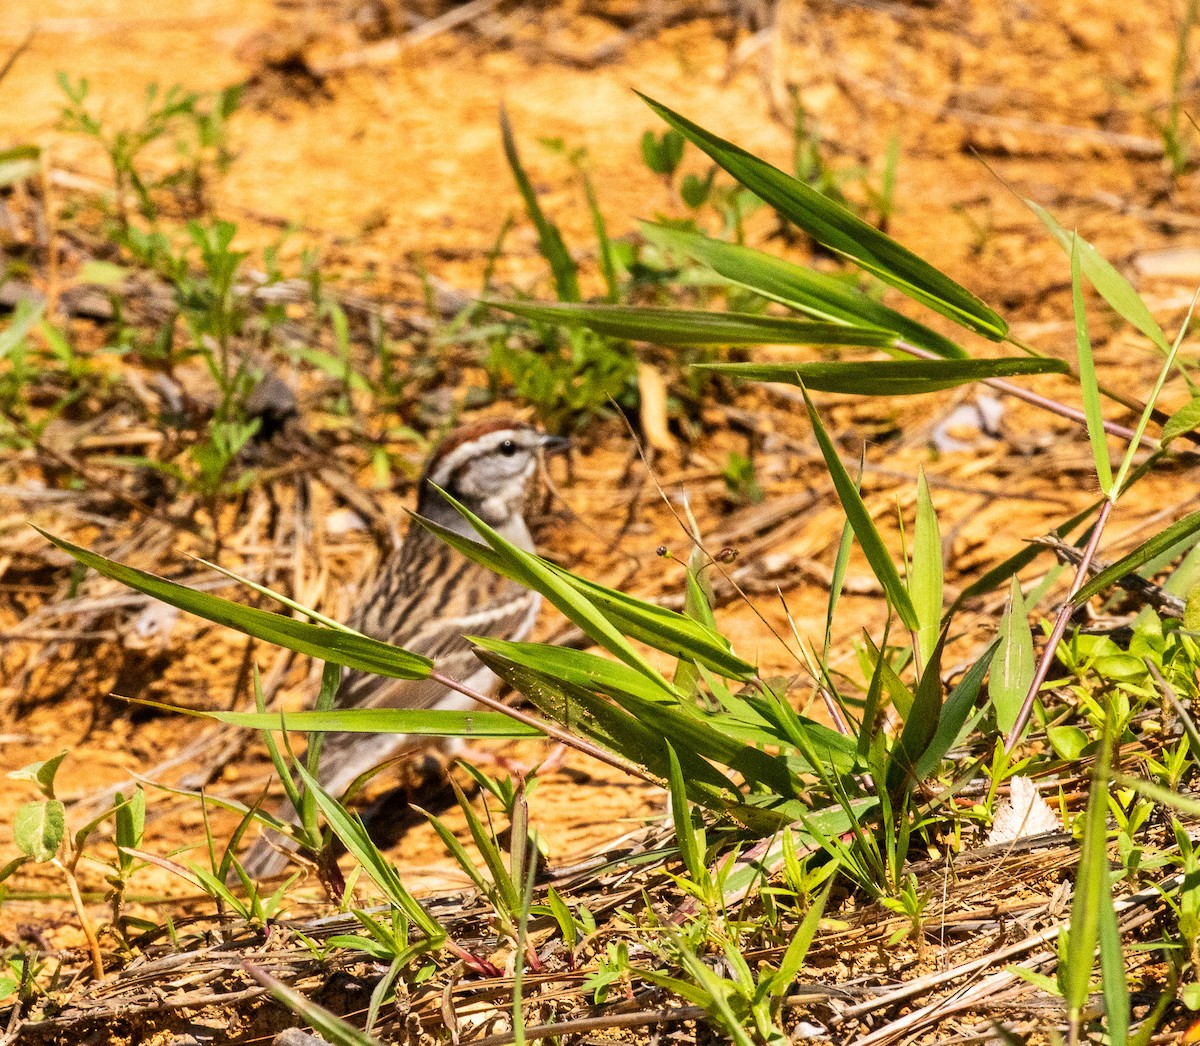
425 596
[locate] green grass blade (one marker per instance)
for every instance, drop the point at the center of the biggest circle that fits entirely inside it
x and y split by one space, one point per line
925 584
356 840
708 736
331 1027
1087 378
1091 883
458 852
554 250
666 630
681 814
697 327
531 571
840 230
608 268
864 528
840 561
955 713
920 727
328 644
888 377
816 294
600 720
1112 968
505 888
1110 284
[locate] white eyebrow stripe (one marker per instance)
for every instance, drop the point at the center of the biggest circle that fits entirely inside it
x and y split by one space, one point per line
461 454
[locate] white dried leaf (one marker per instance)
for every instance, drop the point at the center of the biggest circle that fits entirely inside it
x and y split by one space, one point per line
343 521
1024 814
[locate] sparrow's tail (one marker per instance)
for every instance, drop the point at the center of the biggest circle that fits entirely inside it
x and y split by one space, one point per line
344 758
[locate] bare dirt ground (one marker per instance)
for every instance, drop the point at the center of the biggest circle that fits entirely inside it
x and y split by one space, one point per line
396 162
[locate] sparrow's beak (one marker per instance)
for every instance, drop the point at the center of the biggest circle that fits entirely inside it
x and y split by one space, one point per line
554 444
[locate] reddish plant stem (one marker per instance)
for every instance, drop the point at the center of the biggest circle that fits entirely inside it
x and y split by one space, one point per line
1060 628
1032 398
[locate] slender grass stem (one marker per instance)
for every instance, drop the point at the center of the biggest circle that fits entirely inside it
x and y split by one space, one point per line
85 922
1044 402
1128 402
1059 629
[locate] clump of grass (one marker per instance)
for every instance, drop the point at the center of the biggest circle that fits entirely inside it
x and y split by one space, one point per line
196 125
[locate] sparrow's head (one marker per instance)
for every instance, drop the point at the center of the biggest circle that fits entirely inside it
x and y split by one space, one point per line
486 465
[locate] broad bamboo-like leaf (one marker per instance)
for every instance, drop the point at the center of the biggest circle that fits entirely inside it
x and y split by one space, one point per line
1087 378
925 584
329 644
632 737
1110 284
1145 552
697 327
816 294
688 728
864 528
840 230
1013 666
554 250
582 711
422 722
888 377
645 622
667 630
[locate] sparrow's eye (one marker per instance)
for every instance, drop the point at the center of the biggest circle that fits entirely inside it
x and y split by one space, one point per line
508 448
